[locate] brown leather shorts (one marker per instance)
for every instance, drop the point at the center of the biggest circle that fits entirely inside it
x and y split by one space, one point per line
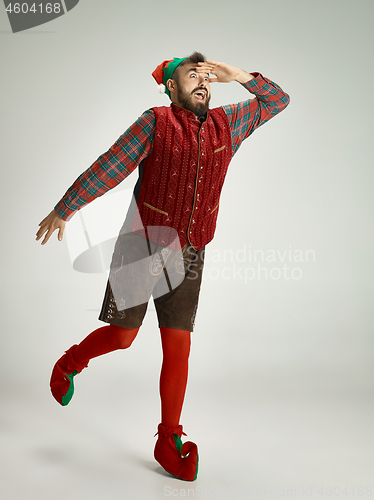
141 269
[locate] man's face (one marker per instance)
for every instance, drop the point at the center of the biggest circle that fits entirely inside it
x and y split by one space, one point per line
192 90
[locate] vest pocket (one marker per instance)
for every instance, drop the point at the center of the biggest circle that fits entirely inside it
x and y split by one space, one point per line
219 149
154 208
215 208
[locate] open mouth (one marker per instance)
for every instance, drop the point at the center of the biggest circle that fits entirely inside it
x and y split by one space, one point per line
200 95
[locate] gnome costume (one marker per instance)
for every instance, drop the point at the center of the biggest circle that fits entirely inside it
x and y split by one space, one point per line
182 163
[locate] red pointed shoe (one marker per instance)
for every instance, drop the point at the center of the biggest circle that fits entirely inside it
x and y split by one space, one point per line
63 373
181 460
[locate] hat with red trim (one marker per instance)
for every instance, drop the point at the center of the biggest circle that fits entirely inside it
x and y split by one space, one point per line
164 72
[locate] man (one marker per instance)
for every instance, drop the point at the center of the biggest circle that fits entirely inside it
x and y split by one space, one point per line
182 152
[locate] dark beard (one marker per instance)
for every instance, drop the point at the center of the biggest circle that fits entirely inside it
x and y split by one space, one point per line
185 100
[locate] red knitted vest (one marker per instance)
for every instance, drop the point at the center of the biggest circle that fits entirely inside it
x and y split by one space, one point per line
183 176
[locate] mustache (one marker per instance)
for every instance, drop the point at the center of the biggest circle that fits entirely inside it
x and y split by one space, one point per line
200 88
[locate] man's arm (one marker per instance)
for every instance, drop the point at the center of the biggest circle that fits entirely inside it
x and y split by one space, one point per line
245 117
105 173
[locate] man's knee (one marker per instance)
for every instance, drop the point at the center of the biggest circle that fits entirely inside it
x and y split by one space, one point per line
124 337
176 343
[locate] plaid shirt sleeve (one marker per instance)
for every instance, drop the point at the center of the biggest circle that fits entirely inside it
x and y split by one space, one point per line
246 116
111 167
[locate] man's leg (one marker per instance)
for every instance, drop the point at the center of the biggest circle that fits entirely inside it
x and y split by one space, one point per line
174 373
176 313
101 341
179 459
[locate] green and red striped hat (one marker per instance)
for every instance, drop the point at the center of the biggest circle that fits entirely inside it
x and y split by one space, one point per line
164 71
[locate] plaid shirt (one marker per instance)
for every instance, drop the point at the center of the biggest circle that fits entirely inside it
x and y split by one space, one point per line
136 143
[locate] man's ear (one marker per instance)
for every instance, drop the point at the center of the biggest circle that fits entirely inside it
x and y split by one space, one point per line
171 85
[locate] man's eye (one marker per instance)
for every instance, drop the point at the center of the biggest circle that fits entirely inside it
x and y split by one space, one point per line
193 74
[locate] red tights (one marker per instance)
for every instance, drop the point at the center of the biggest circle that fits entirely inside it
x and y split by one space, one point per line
174 371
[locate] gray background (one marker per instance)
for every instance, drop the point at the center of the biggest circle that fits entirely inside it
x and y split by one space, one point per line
280 392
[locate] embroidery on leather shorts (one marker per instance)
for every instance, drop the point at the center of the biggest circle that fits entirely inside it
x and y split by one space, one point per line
193 317
159 260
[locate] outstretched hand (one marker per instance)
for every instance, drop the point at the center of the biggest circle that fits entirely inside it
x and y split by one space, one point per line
48 225
223 72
